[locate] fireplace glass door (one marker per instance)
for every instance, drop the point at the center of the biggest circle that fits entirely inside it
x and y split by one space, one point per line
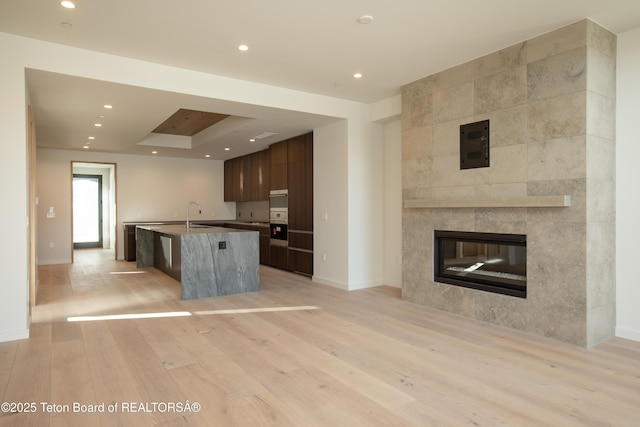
485 261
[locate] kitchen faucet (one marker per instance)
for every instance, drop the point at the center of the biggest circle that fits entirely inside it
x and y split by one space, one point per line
188 206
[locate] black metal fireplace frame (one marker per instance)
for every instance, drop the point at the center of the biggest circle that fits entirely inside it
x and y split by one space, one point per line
484 285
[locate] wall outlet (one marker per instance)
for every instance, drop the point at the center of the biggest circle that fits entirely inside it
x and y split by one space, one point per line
51 244
324 257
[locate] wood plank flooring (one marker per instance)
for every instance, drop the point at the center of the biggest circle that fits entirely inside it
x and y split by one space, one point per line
296 353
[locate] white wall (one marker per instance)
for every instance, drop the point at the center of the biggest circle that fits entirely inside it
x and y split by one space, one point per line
147 189
393 204
14 312
627 180
330 205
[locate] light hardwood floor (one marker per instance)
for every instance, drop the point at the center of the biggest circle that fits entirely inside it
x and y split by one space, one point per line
321 357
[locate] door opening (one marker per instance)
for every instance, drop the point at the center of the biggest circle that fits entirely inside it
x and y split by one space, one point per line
87 211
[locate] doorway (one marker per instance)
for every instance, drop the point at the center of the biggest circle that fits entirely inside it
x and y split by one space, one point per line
93 188
87 211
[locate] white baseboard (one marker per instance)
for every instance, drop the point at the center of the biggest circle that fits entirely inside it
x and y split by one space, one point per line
629 334
14 335
54 261
331 283
347 286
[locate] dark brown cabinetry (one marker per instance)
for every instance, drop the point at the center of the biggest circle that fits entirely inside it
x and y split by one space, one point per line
233 180
285 165
130 242
300 181
246 178
278 153
278 257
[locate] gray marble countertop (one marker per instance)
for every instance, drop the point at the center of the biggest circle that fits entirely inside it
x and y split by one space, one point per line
209 223
181 229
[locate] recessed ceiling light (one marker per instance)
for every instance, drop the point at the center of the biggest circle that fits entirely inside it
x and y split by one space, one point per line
154 152
85 147
357 76
243 47
207 155
67 4
365 19
252 140
227 149
92 137
97 125
108 107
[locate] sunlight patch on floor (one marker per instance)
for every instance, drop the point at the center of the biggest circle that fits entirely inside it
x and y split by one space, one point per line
186 313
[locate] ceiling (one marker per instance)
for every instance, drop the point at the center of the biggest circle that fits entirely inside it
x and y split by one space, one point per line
309 46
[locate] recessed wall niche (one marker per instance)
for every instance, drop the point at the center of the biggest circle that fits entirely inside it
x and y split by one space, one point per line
474 145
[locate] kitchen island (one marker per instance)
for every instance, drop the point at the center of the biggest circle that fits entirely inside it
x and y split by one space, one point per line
207 261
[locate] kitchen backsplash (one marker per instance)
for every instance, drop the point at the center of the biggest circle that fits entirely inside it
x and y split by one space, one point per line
252 211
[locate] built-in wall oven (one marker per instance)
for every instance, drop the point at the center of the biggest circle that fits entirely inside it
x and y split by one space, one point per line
279 217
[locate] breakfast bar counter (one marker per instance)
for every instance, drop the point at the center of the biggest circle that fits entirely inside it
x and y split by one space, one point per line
207 261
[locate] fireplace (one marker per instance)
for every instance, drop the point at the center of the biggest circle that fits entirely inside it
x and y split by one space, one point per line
485 261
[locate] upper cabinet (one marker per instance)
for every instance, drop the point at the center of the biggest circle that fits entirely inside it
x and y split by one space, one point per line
279 154
246 178
233 182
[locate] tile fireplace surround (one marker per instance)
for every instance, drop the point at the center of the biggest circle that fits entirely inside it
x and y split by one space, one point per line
551 104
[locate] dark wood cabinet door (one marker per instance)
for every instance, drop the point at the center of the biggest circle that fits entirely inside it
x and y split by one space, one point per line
301 261
250 177
233 174
228 181
246 178
300 173
279 257
278 172
264 175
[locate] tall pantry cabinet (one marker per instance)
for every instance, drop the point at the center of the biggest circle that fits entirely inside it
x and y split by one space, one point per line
300 181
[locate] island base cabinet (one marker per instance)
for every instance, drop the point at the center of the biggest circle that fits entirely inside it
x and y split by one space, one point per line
167 255
279 257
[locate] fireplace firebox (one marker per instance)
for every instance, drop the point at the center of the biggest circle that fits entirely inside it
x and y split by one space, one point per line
486 261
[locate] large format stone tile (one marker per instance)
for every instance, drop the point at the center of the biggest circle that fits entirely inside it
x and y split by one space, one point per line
557 41
505 59
508 164
601 155
417 109
557 242
559 117
501 90
452 77
601 289
507 126
601 323
600 120
602 73
601 39
557 159
417 143
557 75
454 103
506 221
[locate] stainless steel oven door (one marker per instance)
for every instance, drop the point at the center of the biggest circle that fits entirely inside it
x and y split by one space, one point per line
279 234
279 199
